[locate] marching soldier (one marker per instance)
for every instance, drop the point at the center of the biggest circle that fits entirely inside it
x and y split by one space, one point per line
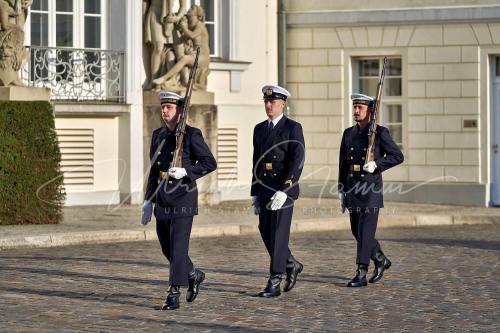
360 186
176 200
278 159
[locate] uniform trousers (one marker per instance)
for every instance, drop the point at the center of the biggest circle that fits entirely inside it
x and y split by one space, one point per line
274 227
173 235
363 228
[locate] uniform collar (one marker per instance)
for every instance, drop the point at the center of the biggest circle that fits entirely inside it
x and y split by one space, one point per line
171 131
275 120
359 129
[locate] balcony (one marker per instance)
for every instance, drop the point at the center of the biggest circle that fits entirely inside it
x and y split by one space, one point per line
76 75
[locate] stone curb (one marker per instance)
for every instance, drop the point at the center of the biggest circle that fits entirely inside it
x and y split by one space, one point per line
200 230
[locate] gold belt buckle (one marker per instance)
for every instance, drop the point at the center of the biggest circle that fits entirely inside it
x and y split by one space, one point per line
356 167
163 174
269 166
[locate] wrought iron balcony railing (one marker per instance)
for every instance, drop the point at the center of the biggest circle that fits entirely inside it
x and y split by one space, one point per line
77 74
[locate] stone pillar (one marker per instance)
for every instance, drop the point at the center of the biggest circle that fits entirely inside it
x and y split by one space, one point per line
203 115
18 93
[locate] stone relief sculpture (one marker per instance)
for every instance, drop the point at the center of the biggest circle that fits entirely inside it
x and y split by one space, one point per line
12 51
171 39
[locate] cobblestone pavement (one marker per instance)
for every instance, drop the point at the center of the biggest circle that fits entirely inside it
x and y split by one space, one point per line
442 279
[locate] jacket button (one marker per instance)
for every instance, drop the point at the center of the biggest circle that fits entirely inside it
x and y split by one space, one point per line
274 156
352 148
265 174
352 157
158 163
274 174
362 175
158 182
159 153
171 153
364 149
350 174
170 182
363 158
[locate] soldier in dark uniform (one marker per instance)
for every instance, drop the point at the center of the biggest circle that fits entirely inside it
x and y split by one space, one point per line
278 159
176 200
361 189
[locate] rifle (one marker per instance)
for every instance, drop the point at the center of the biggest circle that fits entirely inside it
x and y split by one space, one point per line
372 130
181 127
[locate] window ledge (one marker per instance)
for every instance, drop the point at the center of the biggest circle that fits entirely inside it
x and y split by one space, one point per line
219 64
235 68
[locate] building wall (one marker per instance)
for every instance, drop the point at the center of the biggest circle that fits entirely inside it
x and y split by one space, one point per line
250 61
90 167
444 83
242 109
325 5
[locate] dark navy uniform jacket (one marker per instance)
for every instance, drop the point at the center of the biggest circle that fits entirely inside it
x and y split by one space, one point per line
365 190
278 159
177 198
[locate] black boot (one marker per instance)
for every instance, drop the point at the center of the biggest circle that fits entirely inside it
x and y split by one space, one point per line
293 268
172 301
273 288
360 279
196 277
381 264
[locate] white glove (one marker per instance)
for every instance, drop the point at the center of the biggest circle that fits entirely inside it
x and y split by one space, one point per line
256 204
147 211
342 199
278 199
370 167
177 173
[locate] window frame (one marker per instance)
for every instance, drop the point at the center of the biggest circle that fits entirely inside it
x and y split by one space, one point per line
78 24
386 100
216 23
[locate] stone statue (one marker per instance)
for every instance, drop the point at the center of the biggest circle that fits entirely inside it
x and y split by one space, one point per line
160 35
182 34
12 51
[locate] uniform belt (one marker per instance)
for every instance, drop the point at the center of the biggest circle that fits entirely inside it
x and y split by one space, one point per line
272 165
164 175
356 167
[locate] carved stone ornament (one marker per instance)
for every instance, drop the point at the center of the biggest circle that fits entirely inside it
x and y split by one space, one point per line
12 51
171 38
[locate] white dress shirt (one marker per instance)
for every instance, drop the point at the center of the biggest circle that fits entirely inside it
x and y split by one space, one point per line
275 120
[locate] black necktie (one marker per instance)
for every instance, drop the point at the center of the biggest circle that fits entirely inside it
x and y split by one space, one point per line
269 128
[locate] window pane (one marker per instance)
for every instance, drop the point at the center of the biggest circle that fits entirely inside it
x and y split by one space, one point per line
393 67
92 32
396 133
392 86
208 5
368 67
39 29
64 5
40 5
210 28
64 30
93 6
393 113
368 86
